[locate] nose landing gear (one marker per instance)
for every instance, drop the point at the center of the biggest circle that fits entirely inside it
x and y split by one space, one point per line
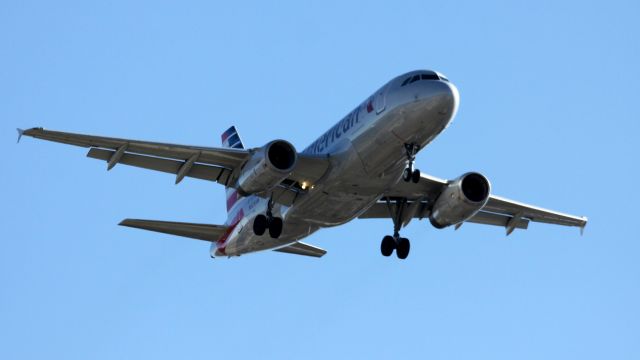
263 222
409 173
399 244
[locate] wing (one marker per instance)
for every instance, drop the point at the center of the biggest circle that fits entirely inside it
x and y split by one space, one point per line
206 163
518 210
417 200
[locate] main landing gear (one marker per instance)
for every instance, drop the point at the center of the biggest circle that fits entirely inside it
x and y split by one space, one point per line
399 244
263 222
409 173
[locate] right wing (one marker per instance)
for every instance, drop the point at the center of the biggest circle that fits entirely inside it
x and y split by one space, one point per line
206 163
418 199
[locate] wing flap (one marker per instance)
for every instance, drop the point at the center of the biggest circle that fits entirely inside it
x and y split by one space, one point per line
195 231
198 171
300 248
487 218
498 212
379 211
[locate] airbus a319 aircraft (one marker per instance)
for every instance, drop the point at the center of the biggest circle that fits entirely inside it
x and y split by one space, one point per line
363 167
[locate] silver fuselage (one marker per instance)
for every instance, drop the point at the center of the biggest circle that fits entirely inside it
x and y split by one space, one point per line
367 155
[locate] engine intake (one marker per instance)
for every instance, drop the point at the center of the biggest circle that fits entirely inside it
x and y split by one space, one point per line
460 200
267 167
282 155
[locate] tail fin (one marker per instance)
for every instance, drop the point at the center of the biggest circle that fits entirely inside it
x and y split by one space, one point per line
231 139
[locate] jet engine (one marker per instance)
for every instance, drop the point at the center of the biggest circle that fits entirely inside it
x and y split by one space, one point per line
267 167
460 200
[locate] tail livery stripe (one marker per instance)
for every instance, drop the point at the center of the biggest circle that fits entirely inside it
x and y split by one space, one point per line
221 244
232 198
231 139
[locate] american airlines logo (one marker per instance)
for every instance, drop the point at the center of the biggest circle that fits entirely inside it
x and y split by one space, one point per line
341 128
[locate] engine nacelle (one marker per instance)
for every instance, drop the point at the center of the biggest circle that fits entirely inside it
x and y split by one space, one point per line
460 200
268 166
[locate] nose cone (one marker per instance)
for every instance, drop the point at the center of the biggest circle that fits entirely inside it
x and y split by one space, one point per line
446 98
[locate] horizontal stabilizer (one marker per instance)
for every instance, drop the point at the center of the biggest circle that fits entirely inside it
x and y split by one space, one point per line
300 248
195 231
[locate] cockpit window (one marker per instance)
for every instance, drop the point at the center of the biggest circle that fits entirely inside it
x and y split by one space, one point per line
414 78
430 77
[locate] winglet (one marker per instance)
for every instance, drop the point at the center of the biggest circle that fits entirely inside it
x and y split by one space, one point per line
20 133
583 226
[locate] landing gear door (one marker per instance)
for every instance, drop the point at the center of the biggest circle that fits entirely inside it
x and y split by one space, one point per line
379 101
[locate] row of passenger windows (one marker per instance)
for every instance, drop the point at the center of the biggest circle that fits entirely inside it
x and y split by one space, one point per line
414 78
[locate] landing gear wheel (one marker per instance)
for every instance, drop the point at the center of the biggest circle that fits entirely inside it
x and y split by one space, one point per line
415 176
387 245
407 174
402 248
259 225
275 227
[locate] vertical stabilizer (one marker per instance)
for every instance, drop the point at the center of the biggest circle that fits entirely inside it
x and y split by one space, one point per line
231 139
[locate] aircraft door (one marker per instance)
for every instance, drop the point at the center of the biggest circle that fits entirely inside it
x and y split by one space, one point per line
379 101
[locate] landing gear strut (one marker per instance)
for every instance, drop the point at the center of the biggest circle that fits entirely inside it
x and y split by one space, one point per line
399 244
263 222
409 173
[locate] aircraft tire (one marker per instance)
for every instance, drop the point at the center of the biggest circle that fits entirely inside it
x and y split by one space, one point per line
402 248
407 174
387 245
275 227
415 176
259 225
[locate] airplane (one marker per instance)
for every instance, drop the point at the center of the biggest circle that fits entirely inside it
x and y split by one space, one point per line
362 167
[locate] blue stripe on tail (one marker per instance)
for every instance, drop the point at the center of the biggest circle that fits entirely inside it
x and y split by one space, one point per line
231 139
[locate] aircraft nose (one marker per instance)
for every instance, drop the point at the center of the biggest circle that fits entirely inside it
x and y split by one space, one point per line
447 97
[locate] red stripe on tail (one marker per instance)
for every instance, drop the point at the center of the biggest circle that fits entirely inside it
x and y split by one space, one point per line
232 198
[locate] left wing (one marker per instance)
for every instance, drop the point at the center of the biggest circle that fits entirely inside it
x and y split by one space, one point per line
417 200
207 163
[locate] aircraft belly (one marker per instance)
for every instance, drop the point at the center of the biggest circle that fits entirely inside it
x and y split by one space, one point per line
381 146
343 194
335 208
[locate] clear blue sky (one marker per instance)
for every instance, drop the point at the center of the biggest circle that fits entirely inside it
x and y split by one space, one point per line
549 112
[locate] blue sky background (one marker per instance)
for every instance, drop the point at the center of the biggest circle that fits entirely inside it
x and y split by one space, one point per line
549 112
